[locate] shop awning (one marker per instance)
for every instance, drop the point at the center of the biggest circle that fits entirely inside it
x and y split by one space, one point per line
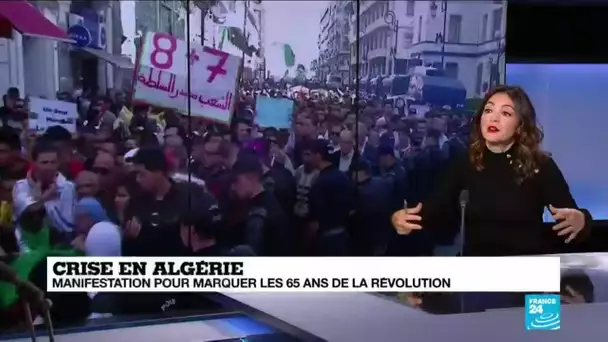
28 20
118 61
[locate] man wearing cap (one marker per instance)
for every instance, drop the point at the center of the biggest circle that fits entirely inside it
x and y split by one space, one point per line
266 226
329 204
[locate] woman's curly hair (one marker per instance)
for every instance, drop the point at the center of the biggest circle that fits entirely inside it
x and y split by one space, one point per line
528 137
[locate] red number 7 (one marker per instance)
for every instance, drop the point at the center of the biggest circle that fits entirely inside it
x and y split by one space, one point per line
217 69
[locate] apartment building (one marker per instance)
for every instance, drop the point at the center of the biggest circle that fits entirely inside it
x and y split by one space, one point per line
386 30
473 48
322 67
334 48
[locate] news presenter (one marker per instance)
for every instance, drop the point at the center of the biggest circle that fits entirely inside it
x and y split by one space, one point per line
510 181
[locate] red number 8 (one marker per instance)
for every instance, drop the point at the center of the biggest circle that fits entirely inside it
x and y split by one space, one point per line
160 50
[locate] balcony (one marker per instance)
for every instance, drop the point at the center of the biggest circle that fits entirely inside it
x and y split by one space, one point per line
345 48
376 24
365 5
378 52
464 50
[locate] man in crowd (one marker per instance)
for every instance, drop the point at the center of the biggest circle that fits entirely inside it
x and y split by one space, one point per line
152 227
394 173
346 158
329 203
305 131
11 159
266 228
70 164
369 227
45 188
305 177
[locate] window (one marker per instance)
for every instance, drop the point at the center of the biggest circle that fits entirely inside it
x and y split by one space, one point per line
496 23
409 10
408 39
180 27
145 16
484 28
451 69
166 19
419 29
479 78
454 27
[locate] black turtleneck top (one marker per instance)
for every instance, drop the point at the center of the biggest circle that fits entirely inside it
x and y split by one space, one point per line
503 217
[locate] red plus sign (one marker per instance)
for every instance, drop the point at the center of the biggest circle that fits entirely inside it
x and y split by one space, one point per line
193 57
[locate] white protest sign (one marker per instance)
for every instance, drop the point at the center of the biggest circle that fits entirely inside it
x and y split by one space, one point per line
162 78
47 113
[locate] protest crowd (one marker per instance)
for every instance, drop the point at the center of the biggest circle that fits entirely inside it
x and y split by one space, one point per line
291 173
135 180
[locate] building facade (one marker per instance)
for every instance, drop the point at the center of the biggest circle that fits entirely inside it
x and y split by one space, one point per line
386 34
314 69
138 17
42 67
397 35
249 17
473 48
322 64
334 48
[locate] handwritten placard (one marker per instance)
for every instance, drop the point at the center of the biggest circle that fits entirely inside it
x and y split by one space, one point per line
273 111
162 78
46 113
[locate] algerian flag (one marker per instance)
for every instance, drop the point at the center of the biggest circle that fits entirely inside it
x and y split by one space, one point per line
289 55
223 38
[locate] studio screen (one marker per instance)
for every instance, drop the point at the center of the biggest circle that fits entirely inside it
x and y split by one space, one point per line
570 101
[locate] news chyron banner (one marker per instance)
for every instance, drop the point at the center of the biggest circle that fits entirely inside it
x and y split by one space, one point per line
167 64
290 274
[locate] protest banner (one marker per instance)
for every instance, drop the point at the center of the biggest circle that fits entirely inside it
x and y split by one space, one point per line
273 111
46 113
162 77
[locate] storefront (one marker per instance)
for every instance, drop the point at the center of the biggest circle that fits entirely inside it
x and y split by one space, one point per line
28 48
92 62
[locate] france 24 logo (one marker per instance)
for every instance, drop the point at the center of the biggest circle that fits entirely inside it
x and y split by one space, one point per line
542 312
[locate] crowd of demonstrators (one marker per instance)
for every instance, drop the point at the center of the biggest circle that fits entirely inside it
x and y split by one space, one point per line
141 181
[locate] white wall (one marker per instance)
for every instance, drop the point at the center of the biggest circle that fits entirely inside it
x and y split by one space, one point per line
11 63
470 42
196 17
40 61
127 19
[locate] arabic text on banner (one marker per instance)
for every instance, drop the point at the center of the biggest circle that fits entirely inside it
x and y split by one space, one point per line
273 112
162 78
47 113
